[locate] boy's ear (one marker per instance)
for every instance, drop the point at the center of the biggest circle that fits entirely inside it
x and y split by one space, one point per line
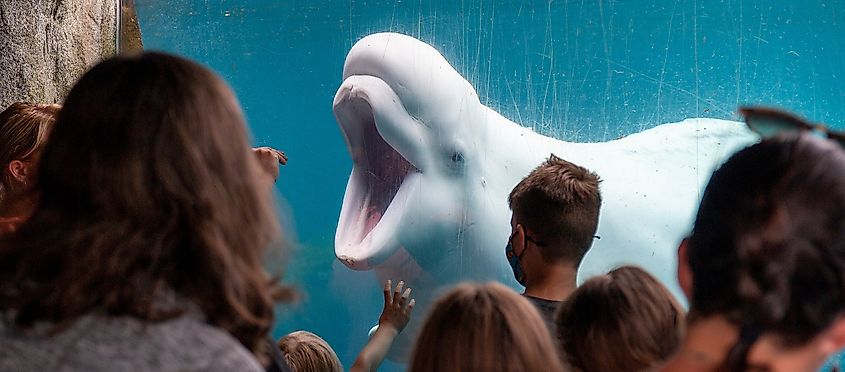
684 272
518 240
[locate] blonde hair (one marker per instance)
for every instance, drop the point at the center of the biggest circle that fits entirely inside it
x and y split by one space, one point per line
307 352
622 321
484 327
23 129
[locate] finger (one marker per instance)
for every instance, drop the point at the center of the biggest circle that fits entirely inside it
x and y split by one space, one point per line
263 154
398 290
284 158
387 297
411 305
405 296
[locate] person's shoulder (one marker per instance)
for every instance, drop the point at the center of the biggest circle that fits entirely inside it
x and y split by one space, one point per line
102 343
190 340
235 358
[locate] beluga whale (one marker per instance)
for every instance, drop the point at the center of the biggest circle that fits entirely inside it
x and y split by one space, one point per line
426 201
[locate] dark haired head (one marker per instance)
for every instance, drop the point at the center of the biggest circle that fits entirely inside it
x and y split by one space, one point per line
149 189
559 202
768 247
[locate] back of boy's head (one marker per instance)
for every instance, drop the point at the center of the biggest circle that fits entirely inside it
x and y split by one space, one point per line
622 321
558 203
768 247
307 352
484 327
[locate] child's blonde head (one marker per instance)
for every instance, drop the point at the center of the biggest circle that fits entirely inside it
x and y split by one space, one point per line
307 352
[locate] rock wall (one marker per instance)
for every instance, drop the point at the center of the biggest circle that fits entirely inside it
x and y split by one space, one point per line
46 45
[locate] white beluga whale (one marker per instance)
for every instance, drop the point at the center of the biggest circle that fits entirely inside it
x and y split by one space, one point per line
432 167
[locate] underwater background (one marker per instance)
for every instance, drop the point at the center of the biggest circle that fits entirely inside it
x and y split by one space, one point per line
574 70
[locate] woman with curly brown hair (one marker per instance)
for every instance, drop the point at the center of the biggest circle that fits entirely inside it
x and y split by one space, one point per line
145 249
24 127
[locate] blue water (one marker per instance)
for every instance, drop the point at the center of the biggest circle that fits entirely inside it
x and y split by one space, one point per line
575 70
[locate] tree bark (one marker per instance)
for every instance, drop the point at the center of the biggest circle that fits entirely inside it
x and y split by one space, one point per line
46 45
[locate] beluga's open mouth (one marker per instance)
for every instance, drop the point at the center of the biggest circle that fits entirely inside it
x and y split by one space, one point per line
382 177
397 108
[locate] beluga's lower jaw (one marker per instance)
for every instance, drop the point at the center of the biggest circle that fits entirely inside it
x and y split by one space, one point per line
426 200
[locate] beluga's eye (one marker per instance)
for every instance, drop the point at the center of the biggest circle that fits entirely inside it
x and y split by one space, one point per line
457 157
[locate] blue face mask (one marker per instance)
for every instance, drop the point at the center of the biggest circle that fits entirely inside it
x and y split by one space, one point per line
515 262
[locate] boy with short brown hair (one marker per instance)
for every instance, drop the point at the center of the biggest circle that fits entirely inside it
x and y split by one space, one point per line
555 217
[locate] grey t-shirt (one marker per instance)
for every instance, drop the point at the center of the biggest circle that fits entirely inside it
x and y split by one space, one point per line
106 343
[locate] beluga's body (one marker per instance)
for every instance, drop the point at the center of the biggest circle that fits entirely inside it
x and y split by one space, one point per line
427 198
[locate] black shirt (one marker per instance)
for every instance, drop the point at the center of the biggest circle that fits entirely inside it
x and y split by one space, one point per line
547 309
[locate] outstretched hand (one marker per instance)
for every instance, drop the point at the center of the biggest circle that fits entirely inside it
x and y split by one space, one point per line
397 307
269 160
